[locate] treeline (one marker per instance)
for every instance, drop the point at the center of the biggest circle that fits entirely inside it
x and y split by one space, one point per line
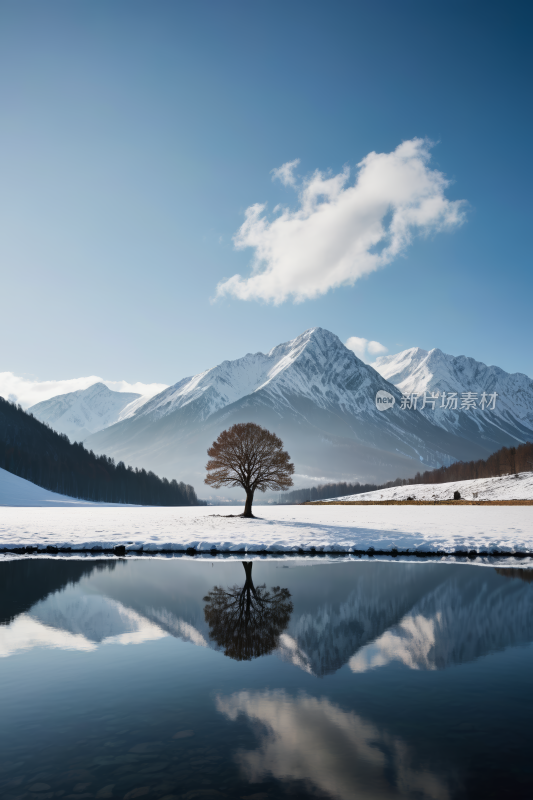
325 491
32 450
507 461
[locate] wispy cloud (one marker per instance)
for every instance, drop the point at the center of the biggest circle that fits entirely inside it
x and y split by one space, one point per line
341 231
285 173
363 348
28 391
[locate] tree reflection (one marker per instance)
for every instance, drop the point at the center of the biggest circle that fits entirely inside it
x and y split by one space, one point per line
247 621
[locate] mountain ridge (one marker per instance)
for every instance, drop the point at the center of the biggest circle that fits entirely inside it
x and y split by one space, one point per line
417 371
316 394
85 411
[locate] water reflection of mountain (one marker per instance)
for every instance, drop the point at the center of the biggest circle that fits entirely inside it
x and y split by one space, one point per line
27 581
365 615
427 616
459 621
351 609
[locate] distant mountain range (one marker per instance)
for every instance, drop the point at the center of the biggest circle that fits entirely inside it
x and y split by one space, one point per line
418 371
78 414
320 398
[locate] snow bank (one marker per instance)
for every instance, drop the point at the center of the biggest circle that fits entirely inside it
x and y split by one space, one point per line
15 491
508 487
280 529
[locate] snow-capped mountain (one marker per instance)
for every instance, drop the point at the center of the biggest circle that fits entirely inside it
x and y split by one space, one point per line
312 366
78 414
313 391
27 391
418 371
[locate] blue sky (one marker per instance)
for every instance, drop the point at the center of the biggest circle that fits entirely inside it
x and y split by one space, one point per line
135 136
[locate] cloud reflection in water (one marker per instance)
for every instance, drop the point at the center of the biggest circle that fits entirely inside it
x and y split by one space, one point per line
335 751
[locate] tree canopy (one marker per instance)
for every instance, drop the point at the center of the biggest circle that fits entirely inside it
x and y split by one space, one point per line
248 455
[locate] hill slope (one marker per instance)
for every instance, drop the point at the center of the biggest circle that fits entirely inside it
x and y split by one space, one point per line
505 487
15 491
33 451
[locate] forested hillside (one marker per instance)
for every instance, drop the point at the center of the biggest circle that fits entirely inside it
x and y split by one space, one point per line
32 450
325 492
507 461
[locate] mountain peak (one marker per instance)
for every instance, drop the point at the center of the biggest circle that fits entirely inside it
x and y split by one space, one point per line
313 337
80 413
313 364
417 371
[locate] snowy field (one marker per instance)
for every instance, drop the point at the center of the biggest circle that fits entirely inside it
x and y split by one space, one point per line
508 487
334 529
57 521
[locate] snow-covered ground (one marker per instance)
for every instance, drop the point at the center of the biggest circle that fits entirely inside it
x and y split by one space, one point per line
333 529
34 517
507 487
15 491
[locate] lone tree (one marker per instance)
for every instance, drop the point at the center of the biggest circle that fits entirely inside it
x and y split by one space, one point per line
248 455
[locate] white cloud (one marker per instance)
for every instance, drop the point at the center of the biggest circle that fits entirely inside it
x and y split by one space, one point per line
362 347
358 345
376 348
27 392
285 173
341 232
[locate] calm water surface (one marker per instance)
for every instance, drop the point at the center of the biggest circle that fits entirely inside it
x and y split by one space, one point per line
180 678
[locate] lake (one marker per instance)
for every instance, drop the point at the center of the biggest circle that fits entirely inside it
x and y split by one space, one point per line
191 678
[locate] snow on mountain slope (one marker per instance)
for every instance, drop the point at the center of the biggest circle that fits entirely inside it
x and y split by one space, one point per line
419 371
320 399
506 487
78 414
15 491
315 365
28 392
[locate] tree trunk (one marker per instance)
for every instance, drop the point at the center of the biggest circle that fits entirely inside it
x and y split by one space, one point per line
248 504
249 584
